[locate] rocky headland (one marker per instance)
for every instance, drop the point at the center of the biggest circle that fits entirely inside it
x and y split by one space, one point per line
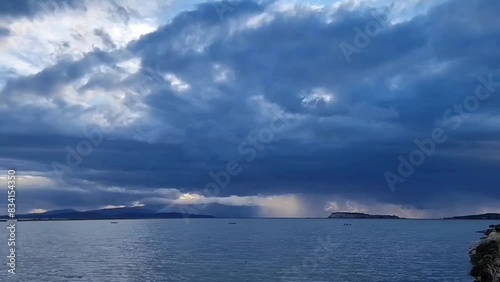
485 256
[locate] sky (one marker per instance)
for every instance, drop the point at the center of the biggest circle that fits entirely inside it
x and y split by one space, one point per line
252 108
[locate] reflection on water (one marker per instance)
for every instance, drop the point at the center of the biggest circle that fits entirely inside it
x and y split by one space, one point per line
251 250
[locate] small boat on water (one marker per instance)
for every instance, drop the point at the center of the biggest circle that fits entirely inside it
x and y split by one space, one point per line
231 223
114 221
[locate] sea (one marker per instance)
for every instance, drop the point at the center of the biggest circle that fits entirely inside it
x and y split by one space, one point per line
353 250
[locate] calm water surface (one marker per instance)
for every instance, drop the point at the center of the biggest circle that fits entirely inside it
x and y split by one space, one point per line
252 250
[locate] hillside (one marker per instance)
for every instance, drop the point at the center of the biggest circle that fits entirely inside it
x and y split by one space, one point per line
488 216
354 215
116 213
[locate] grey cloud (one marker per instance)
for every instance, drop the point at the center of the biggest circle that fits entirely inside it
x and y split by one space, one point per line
30 8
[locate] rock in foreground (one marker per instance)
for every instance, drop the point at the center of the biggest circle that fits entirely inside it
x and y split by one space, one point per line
485 257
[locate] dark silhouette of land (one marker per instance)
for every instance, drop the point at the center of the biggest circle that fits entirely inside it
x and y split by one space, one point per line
350 215
358 215
115 213
484 216
144 213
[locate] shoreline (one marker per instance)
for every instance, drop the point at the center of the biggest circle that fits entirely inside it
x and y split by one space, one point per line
485 256
224 218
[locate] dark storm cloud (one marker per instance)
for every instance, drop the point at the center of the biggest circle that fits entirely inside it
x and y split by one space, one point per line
239 78
4 31
48 80
105 38
29 8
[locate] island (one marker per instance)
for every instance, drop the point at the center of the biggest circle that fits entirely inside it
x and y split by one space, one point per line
358 215
104 214
484 216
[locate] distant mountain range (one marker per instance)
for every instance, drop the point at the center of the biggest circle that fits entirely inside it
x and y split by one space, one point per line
361 215
115 213
144 213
